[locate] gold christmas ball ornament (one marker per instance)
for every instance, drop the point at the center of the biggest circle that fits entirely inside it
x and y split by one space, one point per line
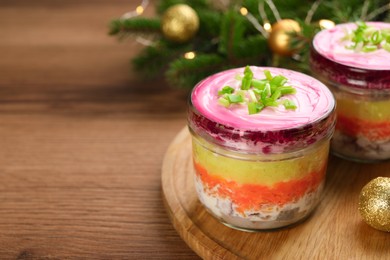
180 23
279 38
374 203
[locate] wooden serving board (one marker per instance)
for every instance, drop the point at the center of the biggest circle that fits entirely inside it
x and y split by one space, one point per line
334 231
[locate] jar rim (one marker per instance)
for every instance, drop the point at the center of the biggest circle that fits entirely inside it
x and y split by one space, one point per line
264 139
354 70
265 142
334 45
313 97
347 75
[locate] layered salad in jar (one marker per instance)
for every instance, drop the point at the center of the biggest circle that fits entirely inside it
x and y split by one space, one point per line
354 61
260 139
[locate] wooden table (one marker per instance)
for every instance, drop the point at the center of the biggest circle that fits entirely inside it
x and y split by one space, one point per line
82 140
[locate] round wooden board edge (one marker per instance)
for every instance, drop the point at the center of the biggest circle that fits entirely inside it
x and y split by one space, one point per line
195 238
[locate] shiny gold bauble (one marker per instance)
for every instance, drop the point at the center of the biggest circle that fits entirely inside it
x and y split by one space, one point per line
374 203
279 38
180 23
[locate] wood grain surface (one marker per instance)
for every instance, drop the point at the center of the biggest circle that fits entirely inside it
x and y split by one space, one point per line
82 137
334 231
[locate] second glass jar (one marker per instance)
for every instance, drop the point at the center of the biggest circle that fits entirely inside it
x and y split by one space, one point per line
360 82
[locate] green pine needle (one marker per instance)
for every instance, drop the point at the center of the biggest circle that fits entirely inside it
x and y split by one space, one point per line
152 60
226 39
134 25
184 73
232 33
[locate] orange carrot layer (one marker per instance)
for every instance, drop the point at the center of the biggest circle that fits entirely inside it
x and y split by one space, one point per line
255 196
373 131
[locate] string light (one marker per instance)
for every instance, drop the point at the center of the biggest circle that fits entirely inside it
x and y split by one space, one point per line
189 55
326 24
378 11
138 10
274 9
243 11
256 24
254 21
267 26
363 15
145 42
311 12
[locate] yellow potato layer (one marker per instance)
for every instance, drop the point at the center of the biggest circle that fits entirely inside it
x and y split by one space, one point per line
364 109
261 172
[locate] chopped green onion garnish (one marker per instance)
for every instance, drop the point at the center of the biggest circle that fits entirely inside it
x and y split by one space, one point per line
289 104
252 95
258 94
252 108
361 24
241 93
376 37
268 75
369 48
269 102
223 102
257 91
369 31
247 79
266 93
285 90
259 84
276 95
235 98
226 90
386 46
259 106
367 38
278 81
268 89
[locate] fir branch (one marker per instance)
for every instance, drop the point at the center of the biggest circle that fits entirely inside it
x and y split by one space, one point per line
162 6
184 73
302 40
154 59
387 17
135 25
349 11
226 39
196 4
209 23
252 46
252 6
232 32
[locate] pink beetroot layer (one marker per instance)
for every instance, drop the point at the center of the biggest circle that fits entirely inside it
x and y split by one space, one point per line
349 76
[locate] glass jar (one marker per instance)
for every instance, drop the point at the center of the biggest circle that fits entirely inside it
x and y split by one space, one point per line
360 82
261 171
